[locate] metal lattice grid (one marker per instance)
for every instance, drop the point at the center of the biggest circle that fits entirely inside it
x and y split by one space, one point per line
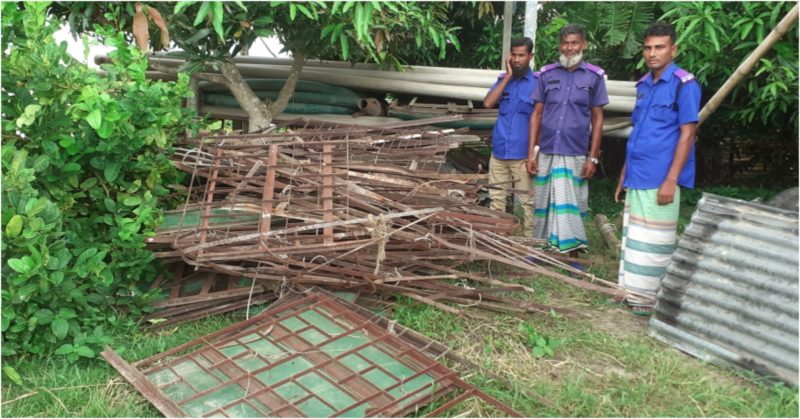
312 356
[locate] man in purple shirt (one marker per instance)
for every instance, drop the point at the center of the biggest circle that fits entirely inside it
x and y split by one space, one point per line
513 91
659 158
568 112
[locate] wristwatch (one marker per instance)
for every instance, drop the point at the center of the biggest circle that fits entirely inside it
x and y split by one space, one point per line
594 160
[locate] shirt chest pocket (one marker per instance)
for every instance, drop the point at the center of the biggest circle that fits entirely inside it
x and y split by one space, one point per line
525 106
582 94
554 93
664 112
505 104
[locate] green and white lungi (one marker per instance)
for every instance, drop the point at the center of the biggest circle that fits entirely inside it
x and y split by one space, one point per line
562 201
648 241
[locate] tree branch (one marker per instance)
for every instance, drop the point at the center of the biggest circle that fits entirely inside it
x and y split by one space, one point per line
298 60
212 77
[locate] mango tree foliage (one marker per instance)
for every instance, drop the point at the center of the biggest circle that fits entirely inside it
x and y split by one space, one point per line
85 163
718 36
210 34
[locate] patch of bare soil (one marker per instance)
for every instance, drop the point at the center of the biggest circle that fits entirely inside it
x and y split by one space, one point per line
619 322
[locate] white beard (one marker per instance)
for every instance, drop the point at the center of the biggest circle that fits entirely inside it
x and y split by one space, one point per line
570 62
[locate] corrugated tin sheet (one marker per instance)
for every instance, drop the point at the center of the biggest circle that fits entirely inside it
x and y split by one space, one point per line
730 295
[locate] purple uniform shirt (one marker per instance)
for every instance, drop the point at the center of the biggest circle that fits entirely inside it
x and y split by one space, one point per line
568 98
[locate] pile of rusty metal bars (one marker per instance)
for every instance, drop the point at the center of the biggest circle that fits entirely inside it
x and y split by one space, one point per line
351 207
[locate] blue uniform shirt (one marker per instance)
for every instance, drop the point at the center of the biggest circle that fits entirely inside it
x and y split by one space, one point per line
568 98
512 129
656 128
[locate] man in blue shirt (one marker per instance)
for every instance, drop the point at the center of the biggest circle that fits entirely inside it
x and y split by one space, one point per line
513 90
568 113
659 158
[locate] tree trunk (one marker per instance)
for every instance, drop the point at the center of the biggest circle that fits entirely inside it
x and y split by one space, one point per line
298 59
259 113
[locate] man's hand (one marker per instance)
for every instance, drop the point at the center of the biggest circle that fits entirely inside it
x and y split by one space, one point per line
666 192
618 193
588 169
509 67
532 166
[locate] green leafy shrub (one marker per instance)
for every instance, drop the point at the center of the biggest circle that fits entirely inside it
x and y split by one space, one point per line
85 160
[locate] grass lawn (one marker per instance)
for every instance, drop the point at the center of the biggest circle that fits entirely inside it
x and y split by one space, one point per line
599 362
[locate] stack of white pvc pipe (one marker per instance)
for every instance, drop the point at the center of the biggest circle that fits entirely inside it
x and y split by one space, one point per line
451 83
444 82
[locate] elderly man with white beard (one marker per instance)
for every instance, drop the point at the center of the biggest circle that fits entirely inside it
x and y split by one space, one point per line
568 113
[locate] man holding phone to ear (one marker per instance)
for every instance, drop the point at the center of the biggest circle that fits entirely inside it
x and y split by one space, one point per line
513 92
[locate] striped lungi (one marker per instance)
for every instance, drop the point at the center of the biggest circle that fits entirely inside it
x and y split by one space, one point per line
648 241
562 201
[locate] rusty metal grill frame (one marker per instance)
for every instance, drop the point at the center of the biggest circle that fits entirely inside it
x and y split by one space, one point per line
214 356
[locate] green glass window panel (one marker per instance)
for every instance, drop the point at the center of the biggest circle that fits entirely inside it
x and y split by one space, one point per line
376 356
359 411
325 390
192 373
284 370
355 362
314 408
398 369
313 336
379 378
291 392
162 377
344 344
214 400
293 324
322 322
232 350
250 363
221 375
244 410
250 338
269 350
178 391
412 385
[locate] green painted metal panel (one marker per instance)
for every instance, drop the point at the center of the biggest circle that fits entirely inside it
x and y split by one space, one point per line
269 350
214 400
293 323
323 389
178 391
314 408
162 377
291 392
242 410
193 373
321 322
284 370
313 336
250 363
